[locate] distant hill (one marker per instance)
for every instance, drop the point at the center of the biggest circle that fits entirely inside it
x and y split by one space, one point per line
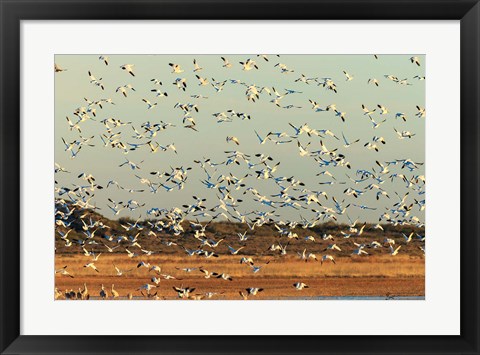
82 222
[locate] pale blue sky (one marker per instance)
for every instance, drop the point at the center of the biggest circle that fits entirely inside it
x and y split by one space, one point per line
72 85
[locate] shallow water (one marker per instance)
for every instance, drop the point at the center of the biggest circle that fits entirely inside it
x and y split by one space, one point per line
316 298
358 298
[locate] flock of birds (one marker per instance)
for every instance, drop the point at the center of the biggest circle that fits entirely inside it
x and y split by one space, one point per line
327 150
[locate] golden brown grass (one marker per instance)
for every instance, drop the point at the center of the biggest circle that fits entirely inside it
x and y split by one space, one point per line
401 275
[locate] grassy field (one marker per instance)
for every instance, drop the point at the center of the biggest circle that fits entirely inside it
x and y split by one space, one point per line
376 274
400 275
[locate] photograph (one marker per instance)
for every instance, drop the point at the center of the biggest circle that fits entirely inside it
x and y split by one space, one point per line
239 176
268 161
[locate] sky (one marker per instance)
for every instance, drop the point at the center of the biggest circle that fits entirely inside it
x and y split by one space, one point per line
73 85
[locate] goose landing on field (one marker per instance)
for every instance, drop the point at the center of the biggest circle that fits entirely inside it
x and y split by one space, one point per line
300 285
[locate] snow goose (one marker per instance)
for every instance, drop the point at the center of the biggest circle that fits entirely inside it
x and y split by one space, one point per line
300 285
91 266
253 290
128 68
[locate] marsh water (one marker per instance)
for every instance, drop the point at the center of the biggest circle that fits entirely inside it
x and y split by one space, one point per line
316 298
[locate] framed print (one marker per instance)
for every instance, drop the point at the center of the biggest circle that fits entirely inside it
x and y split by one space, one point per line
231 173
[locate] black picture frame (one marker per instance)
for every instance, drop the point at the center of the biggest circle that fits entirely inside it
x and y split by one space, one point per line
13 12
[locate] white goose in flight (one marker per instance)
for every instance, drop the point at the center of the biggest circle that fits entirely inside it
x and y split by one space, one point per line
155 280
415 60
347 143
207 273
91 266
196 67
256 269
120 272
63 271
58 69
359 251
348 76
245 260
96 256
233 139
183 292
249 65
383 109
404 134
222 276
149 104
389 241
332 247
243 236
155 268
176 68
146 287
326 258
110 249
234 251
143 264
159 93
181 83
130 254
421 111
253 290
368 111
409 238
95 81
226 63
128 68
202 81
394 252
104 59
123 89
